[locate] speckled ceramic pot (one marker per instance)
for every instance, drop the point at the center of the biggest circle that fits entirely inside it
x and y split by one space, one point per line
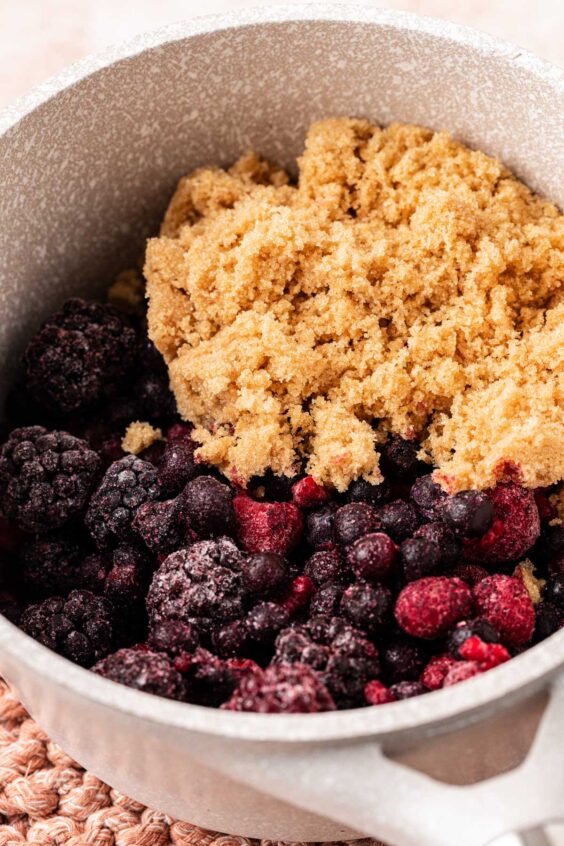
88 162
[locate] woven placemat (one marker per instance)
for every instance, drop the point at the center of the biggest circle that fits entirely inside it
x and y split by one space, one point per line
47 799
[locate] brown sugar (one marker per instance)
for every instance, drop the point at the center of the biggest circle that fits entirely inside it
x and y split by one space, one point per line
406 283
139 436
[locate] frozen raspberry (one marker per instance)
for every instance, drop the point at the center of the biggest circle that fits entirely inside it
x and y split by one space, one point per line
268 526
45 477
407 690
201 585
478 627
264 574
173 637
355 520
161 525
436 670
515 527
470 513
51 564
376 693
319 526
80 356
488 655
429 497
207 679
368 607
209 507
554 590
299 595
327 600
307 493
281 689
343 657
126 485
362 491
420 557
327 565
399 519
505 603
461 671
549 619
429 607
373 557
450 548
143 670
399 458
241 667
470 573
402 661
81 627
178 465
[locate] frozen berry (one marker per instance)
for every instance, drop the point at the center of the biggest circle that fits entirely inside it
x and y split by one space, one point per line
488 655
281 689
298 595
461 671
161 525
307 493
506 604
327 565
362 491
173 637
151 384
209 507
469 512
51 564
420 557
407 689
470 573
429 607
201 585
515 527
353 521
376 693
449 546
327 600
399 519
429 497
151 672
264 622
45 477
268 526
232 640
368 607
208 680
373 557
79 356
478 627
436 670
126 581
178 466
319 526
126 485
399 458
264 574
402 661
554 590
80 627
272 487
549 620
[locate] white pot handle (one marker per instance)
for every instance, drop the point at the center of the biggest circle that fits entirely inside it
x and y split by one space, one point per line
359 786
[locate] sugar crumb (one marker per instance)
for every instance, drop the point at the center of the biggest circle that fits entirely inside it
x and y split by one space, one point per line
139 436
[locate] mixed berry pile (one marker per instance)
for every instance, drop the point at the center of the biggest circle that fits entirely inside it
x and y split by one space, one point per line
156 572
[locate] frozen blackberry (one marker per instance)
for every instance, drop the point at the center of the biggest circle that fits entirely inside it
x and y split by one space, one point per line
126 485
81 627
264 622
355 520
173 637
428 496
399 519
327 600
344 659
281 689
201 585
45 477
178 465
319 526
52 564
207 679
420 557
79 356
232 640
209 507
362 491
368 607
150 672
161 525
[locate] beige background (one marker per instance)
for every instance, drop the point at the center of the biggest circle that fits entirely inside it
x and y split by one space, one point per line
37 37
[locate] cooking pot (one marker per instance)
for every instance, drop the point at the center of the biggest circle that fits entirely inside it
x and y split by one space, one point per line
88 162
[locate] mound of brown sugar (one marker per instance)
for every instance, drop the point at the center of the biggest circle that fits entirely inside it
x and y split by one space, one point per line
406 283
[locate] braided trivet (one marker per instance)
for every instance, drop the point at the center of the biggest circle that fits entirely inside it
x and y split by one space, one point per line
48 800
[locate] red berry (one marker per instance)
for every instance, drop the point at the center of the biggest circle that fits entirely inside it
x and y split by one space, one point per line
307 493
505 603
429 607
460 671
377 693
267 526
299 595
488 655
515 528
435 672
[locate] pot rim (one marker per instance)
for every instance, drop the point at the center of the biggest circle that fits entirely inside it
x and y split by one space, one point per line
477 696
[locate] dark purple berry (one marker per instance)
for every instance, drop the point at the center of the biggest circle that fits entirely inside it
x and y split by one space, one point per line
178 465
264 622
420 557
327 600
232 640
151 672
173 637
45 478
449 547
281 689
478 627
399 458
126 485
209 507
80 356
126 582
52 564
399 519
470 513
428 496
151 385
264 574
319 526
373 557
208 680
554 591
362 491
272 487
407 689
402 661
549 619
327 565
353 521
161 525
368 607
